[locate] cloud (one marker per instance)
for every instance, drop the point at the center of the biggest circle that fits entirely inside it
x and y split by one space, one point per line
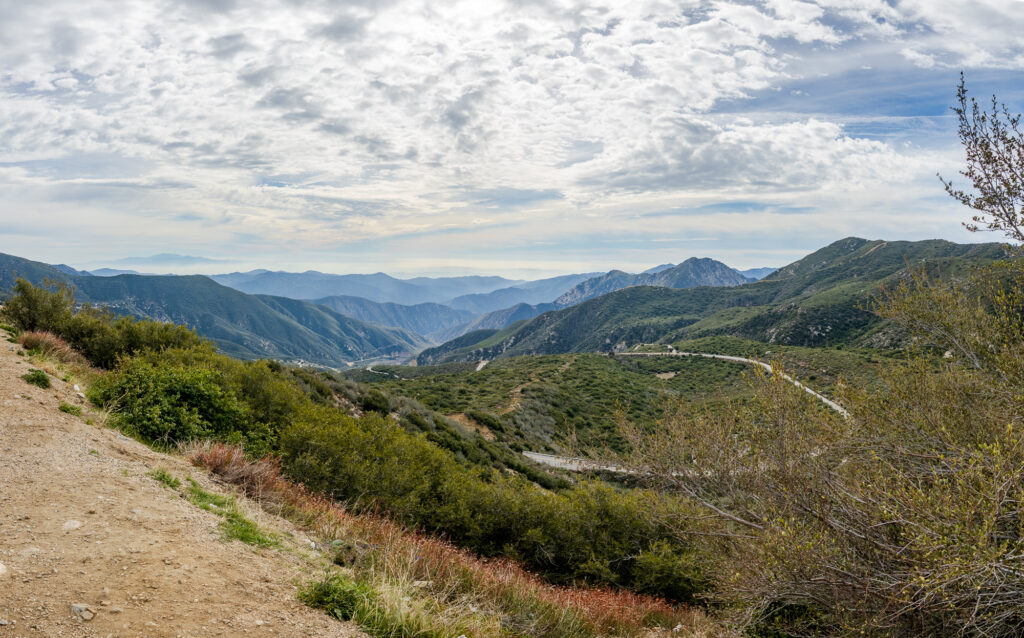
380 122
343 28
228 46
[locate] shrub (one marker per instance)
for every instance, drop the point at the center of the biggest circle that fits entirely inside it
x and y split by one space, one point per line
37 378
169 404
47 307
374 401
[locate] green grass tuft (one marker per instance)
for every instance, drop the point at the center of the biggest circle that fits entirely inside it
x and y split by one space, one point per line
37 378
336 595
235 524
70 409
162 476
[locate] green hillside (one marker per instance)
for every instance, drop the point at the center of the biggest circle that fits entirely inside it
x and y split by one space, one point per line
541 403
816 301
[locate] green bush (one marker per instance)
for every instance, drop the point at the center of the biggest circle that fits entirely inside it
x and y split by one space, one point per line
374 401
168 403
43 308
336 595
37 378
592 532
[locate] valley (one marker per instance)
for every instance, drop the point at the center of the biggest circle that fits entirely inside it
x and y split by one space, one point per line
561 441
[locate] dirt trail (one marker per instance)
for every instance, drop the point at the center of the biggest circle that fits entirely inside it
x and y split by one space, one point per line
516 395
82 523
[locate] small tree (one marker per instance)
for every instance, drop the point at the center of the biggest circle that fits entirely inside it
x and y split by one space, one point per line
994 145
46 307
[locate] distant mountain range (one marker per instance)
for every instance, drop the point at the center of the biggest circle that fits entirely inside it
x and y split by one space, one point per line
530 292
433 321
689 274
757 273
377 287
817 300
241 325
376 317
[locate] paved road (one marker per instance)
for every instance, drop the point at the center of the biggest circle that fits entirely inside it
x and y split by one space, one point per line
830 403
578 465
572 464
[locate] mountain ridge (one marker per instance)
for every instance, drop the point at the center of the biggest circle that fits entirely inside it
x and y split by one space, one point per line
816 300
244 326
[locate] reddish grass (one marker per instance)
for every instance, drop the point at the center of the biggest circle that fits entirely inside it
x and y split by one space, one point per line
454 571
52 346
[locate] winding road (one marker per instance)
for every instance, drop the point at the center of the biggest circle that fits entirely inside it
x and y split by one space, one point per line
575 464
725 357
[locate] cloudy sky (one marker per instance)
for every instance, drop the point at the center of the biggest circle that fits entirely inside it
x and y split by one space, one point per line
520 137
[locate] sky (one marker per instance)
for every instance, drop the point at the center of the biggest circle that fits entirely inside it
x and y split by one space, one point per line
518 137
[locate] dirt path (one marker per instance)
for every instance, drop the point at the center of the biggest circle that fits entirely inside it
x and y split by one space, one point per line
82 523
516 395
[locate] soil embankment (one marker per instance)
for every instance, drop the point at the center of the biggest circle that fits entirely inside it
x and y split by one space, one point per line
84 529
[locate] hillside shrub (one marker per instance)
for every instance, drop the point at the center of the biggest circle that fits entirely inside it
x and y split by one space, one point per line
52 346
374 401
97 333
169 404
37 378
591 532
43 308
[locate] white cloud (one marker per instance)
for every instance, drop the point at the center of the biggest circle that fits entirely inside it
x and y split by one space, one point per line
316 126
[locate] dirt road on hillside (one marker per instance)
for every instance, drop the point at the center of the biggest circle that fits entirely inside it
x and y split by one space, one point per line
81 523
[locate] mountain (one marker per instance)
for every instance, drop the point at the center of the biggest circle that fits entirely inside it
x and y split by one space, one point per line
691 273
113 272
424 319
531 292
443 288
241 325
818 300
377 287
497 320
68 270
757 273
170 259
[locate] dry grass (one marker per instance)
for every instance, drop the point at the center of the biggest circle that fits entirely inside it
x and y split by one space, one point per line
474 592
53 347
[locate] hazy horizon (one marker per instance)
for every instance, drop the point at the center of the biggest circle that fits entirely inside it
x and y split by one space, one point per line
524 139
198 265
